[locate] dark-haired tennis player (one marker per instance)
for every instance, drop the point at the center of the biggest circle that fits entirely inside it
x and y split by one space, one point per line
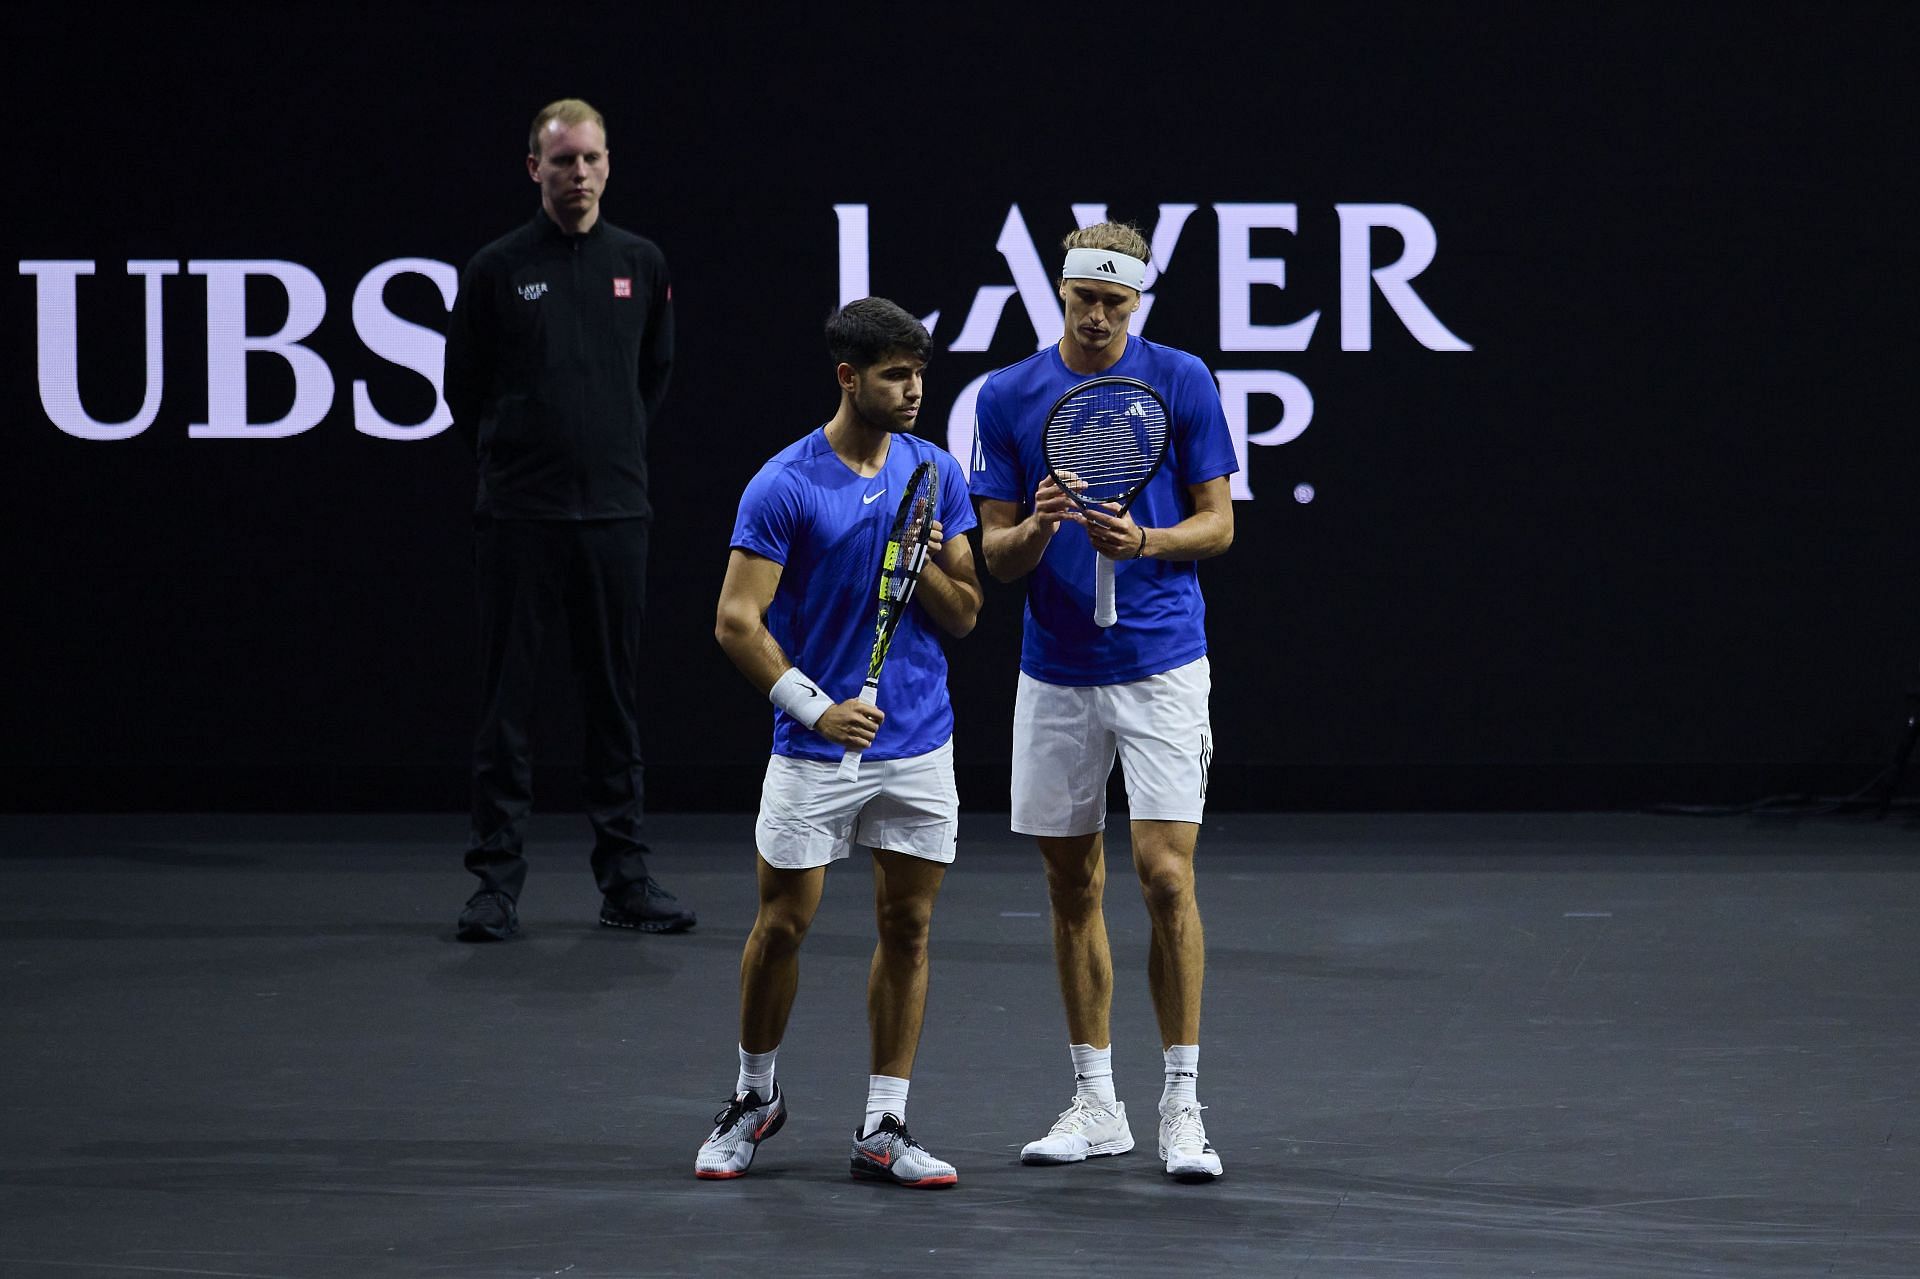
797 616
1137 689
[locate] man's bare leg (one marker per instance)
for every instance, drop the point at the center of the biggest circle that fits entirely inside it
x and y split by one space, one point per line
904 888
1177 954
769 976
1076 882
770 962
1176 966
1095 1123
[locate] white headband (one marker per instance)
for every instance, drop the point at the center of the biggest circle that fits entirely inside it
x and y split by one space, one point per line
1105 264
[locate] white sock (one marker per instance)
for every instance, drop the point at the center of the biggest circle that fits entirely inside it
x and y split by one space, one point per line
886 1095
756 1073
1093 1072
1183 1075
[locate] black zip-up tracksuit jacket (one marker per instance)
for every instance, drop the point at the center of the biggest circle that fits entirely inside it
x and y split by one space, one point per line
559 350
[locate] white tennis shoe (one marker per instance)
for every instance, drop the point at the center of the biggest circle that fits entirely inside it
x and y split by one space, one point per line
889 1153
742 1124
1084 1129
1184 1144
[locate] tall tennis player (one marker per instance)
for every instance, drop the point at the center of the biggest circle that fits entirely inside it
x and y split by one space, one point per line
797 615
1136 690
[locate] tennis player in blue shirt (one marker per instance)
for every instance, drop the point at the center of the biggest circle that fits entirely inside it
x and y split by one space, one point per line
1137 690
797 616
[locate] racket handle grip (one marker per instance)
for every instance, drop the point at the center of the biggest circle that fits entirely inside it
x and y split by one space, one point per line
1103 610
850 762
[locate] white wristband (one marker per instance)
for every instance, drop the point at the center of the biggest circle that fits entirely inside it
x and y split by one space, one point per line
799 696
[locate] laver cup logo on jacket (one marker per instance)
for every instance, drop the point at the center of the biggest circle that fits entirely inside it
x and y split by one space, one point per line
532 292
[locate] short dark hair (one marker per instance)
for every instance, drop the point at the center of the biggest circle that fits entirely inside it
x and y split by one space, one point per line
865 332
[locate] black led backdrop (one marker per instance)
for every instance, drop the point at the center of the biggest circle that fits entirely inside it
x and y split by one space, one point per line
1652 536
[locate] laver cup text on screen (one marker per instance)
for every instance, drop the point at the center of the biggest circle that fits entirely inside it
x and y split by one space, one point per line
230 342
1241 273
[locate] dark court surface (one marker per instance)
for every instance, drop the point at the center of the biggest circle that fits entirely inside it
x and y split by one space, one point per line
1553 1045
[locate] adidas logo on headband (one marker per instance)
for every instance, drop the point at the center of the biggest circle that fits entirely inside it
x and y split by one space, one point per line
1105 264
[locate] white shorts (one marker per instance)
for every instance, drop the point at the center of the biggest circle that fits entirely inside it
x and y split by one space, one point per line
809 817
1065 739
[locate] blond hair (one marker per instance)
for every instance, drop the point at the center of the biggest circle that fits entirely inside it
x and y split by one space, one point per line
566 111
1114 237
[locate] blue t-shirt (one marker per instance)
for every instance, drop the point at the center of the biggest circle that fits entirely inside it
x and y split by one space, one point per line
807 511
1162 617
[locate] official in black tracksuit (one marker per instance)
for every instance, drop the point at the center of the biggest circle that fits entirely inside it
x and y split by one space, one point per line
558 354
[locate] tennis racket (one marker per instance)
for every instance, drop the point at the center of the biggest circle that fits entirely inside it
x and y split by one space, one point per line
1103 441
900 566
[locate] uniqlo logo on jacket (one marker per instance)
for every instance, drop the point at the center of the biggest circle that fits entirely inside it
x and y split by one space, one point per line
622 286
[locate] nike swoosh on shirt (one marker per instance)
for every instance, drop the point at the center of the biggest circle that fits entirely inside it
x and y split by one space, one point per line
869 499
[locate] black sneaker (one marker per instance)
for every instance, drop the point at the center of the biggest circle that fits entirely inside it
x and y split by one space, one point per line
490 916
649 908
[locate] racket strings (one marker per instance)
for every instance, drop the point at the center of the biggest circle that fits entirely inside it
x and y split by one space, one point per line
905 557
1110 440
897 586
